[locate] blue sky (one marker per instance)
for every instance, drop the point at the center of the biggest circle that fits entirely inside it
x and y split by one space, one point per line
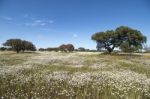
50 23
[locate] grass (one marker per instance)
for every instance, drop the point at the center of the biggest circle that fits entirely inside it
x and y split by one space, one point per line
11 58
142 69
74 76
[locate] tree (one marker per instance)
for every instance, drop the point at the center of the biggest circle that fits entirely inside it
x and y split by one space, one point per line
107 40
42 49
20 45
15 44
115 38
81 49
3 48
131 37
65 48
52 49
29 46
125 47
70 47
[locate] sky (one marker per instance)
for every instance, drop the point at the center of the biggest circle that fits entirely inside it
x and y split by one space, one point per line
50 23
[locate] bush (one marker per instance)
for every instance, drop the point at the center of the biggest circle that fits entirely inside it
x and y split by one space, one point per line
3 48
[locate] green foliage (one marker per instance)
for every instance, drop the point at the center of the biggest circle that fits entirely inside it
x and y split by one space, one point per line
18 45
3 48
26 45
81 49
15 44
42 49
126 47
52 49
121 36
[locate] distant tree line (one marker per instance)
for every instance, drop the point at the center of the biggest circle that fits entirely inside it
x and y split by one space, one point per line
63 48
82 49
18 45
49 49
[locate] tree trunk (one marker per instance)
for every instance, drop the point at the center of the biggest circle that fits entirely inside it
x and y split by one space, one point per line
17 51
109 50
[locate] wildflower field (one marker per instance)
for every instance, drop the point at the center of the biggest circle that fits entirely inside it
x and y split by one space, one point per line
77 75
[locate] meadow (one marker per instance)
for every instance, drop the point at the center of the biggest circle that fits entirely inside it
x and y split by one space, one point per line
77 75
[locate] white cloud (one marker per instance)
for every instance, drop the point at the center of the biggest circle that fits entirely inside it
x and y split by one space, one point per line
6 18
39 22
33 21
36 23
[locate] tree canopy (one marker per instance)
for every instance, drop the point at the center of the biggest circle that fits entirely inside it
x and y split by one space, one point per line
20 45
122 35
81 49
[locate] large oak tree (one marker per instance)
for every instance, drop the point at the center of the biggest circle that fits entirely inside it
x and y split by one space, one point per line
111 39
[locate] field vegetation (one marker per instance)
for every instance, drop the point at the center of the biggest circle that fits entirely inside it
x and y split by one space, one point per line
77 75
